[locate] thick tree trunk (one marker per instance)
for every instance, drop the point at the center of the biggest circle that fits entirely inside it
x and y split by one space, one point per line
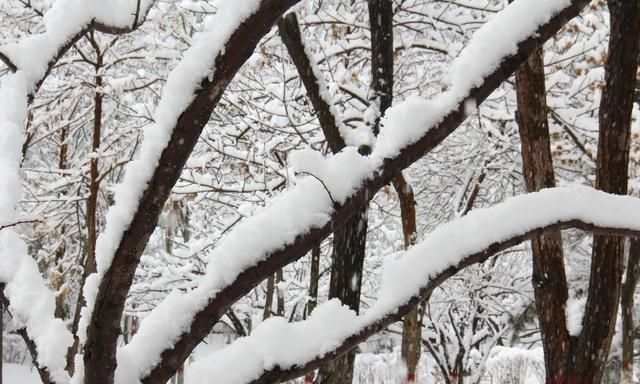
612 161
626 304
349 244
548 277
349 240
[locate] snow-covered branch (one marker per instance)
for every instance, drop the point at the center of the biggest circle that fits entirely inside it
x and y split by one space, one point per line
287 229
30 300
278 351
192 91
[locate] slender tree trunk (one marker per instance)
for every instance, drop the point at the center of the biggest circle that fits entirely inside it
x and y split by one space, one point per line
412 326
626 304
548 277
313 279
268 302
279 293
1 337
381 26
349 241
92 204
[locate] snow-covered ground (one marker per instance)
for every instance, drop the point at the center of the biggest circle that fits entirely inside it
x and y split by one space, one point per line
19 374
373 368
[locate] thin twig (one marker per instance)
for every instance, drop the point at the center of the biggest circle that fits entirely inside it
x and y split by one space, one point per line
321 182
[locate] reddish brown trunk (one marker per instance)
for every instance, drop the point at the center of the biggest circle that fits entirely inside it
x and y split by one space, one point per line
548 277
89 264
411 323
268 302
611 176
627 304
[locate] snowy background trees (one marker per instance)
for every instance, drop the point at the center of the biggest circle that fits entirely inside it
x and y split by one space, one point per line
170 177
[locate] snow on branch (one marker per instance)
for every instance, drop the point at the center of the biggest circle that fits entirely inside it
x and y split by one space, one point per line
295 221
65 23
192 91
278 350
30 301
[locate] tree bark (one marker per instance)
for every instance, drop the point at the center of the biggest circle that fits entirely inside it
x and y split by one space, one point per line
279 293
104 327
349 241
268 302
249 277
313 279
89 265
349 245
548 276
626 304
612 162
1 337
411 323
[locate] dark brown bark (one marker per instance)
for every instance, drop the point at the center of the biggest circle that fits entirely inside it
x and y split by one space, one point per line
626 306
289 30
268 302
279 293
548 276
1 336
349 246
250 277
278 375
314 277
31 346
612 161
104 328
381 27
349 241
411 323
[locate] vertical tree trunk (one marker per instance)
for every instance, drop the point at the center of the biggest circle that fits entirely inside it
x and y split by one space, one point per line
279 293
548 277
268 302
1 337
349 240
626 304
349 244
313 279
411 324
92 203
611 176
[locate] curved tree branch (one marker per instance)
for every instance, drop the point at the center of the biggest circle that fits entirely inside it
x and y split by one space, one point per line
451 248
43 372
104 328
174 156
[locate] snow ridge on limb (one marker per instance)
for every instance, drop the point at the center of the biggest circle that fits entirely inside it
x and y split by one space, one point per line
192 92
278 350
31 302
266 242
65 23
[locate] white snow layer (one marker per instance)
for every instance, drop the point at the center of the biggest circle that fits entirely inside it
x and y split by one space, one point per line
309 204
32 303
278 343
306 206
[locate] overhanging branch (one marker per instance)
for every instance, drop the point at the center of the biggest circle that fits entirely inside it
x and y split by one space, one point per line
205 318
